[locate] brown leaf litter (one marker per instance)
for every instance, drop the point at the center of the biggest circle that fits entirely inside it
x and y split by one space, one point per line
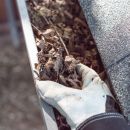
63 40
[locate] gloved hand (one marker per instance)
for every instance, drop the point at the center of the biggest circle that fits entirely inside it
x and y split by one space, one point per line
77 105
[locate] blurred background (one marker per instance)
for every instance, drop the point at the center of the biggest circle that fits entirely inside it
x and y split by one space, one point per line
19 106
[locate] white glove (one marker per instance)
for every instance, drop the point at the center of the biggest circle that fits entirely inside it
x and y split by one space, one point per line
77 105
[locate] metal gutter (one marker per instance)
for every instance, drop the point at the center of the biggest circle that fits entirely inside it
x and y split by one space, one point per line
47 110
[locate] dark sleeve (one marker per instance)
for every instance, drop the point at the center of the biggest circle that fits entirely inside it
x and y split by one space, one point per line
105 121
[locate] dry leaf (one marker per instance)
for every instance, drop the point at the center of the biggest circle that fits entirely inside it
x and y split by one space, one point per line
69 59
69 15
40 44
78 20
49 64
62 80
61 2
67 32
59 64
46 1
49 32
44 11
72 83
88 54
94 51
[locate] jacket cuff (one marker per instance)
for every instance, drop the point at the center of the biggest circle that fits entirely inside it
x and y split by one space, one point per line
104 121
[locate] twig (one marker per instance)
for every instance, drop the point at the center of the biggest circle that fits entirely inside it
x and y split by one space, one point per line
36 28
46 20
50 22
60 38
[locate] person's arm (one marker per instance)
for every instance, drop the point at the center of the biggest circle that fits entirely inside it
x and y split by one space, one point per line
92 108
105 121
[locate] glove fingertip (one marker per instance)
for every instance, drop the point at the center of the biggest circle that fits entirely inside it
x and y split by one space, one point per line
82 68
42 86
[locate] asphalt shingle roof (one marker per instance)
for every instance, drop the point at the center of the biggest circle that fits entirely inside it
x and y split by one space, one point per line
109 22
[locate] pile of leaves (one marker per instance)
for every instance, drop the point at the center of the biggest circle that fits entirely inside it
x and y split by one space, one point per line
63 40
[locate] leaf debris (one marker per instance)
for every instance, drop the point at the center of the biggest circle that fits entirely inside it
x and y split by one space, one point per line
63 40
